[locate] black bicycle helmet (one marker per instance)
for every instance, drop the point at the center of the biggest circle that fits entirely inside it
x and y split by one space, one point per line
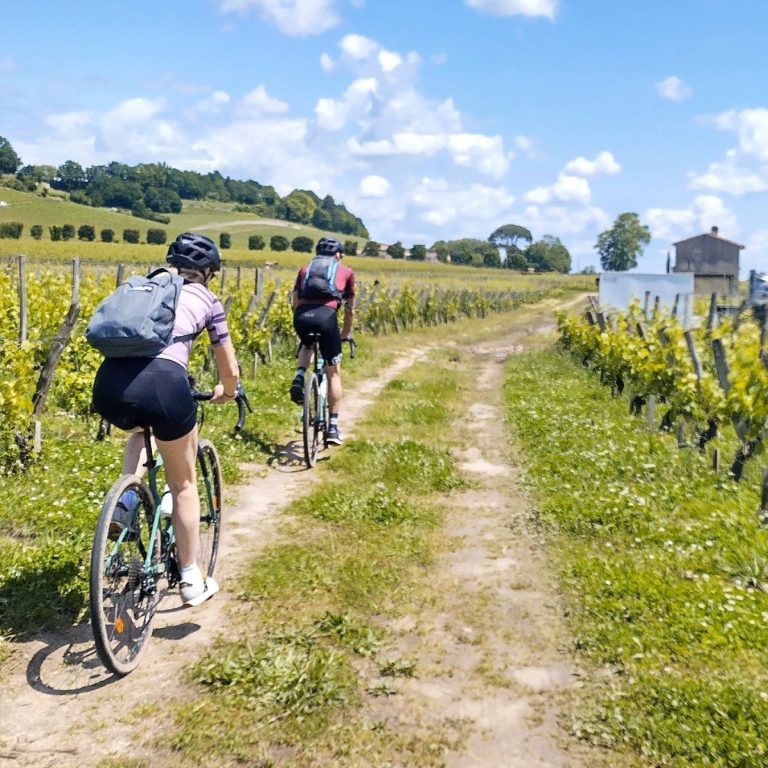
194 252
328 246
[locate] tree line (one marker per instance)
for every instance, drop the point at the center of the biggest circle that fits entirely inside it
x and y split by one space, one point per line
150 190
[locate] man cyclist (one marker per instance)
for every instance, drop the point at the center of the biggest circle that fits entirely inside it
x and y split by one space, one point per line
137 392
320 289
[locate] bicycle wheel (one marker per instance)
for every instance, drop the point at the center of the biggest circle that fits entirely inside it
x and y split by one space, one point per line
123 598
311 419
209 489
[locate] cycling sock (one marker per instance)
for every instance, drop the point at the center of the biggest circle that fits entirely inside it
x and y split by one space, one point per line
300 372
333 420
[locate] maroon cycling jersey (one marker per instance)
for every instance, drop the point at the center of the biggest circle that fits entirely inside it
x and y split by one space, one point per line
345 282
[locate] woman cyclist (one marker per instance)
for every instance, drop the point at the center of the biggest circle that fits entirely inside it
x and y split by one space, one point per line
133 393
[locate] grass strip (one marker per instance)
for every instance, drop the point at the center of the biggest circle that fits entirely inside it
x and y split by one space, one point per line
291 688
664 564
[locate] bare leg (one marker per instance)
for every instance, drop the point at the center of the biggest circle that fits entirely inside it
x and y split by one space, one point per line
179 458
135 455
305 357
334 387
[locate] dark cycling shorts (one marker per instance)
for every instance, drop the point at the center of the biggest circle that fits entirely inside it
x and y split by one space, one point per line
319 318
145 392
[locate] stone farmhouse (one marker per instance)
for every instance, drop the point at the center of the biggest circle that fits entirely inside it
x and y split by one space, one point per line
713 260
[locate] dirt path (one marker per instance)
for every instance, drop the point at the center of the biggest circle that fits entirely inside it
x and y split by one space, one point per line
57 697
489 665
491 670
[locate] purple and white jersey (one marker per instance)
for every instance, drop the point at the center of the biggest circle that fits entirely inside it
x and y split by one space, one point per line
198 308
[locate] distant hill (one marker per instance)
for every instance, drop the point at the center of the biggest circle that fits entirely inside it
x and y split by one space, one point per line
209 217
153 190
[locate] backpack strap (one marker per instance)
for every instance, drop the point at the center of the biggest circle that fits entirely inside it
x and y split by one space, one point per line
158 271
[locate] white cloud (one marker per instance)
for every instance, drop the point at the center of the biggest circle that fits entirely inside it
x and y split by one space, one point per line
212 103
292 17
527 145
545 8
673 89
374 186
745 167
705 212
483 153
259 101
389 60
566 189
358 46
470 209
604 163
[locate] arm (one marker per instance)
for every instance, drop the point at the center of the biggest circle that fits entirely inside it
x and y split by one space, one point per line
349 313
229 373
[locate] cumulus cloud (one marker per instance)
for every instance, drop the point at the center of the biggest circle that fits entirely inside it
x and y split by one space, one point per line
604 163
259 101
297 18
475 206
374 186
706 211
673 89
566 189
483 153
546 8
212 103
745 167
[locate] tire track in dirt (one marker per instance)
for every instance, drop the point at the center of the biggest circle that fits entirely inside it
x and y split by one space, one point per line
492 678
61 708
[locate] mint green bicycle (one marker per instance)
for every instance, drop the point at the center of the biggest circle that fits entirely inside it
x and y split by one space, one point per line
131 572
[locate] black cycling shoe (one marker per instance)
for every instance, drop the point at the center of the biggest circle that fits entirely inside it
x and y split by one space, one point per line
297 390
333 436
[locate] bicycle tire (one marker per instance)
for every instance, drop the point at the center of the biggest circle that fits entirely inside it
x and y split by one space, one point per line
122 610
209 487
310 419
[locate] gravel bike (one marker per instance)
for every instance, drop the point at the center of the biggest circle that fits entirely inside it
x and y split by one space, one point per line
132 571
314 416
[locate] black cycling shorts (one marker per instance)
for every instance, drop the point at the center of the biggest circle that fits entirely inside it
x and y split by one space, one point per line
319 318
145 392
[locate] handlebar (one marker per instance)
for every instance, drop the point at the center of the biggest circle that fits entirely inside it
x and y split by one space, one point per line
352 346
241 398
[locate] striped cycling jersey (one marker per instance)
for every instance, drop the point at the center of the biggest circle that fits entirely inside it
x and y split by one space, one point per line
197 309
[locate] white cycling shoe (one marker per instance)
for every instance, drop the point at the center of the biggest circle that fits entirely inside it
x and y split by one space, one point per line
194 589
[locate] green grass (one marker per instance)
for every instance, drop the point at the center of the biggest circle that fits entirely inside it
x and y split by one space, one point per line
48 514
291 689
659 557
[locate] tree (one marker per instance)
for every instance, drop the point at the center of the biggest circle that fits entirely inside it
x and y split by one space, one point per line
278 243
225 241
419 252
156 237
620 245
371 248
69 176
549 255
86 232
517 261
9 160
508 236
302 244
350 246
255 243
396 250
492 258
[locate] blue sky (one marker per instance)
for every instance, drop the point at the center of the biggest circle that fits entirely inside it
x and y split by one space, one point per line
429 119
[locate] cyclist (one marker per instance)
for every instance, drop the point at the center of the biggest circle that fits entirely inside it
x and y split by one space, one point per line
138 392
319 291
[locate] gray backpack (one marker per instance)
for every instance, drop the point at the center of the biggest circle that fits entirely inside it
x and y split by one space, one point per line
136 320
320 280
